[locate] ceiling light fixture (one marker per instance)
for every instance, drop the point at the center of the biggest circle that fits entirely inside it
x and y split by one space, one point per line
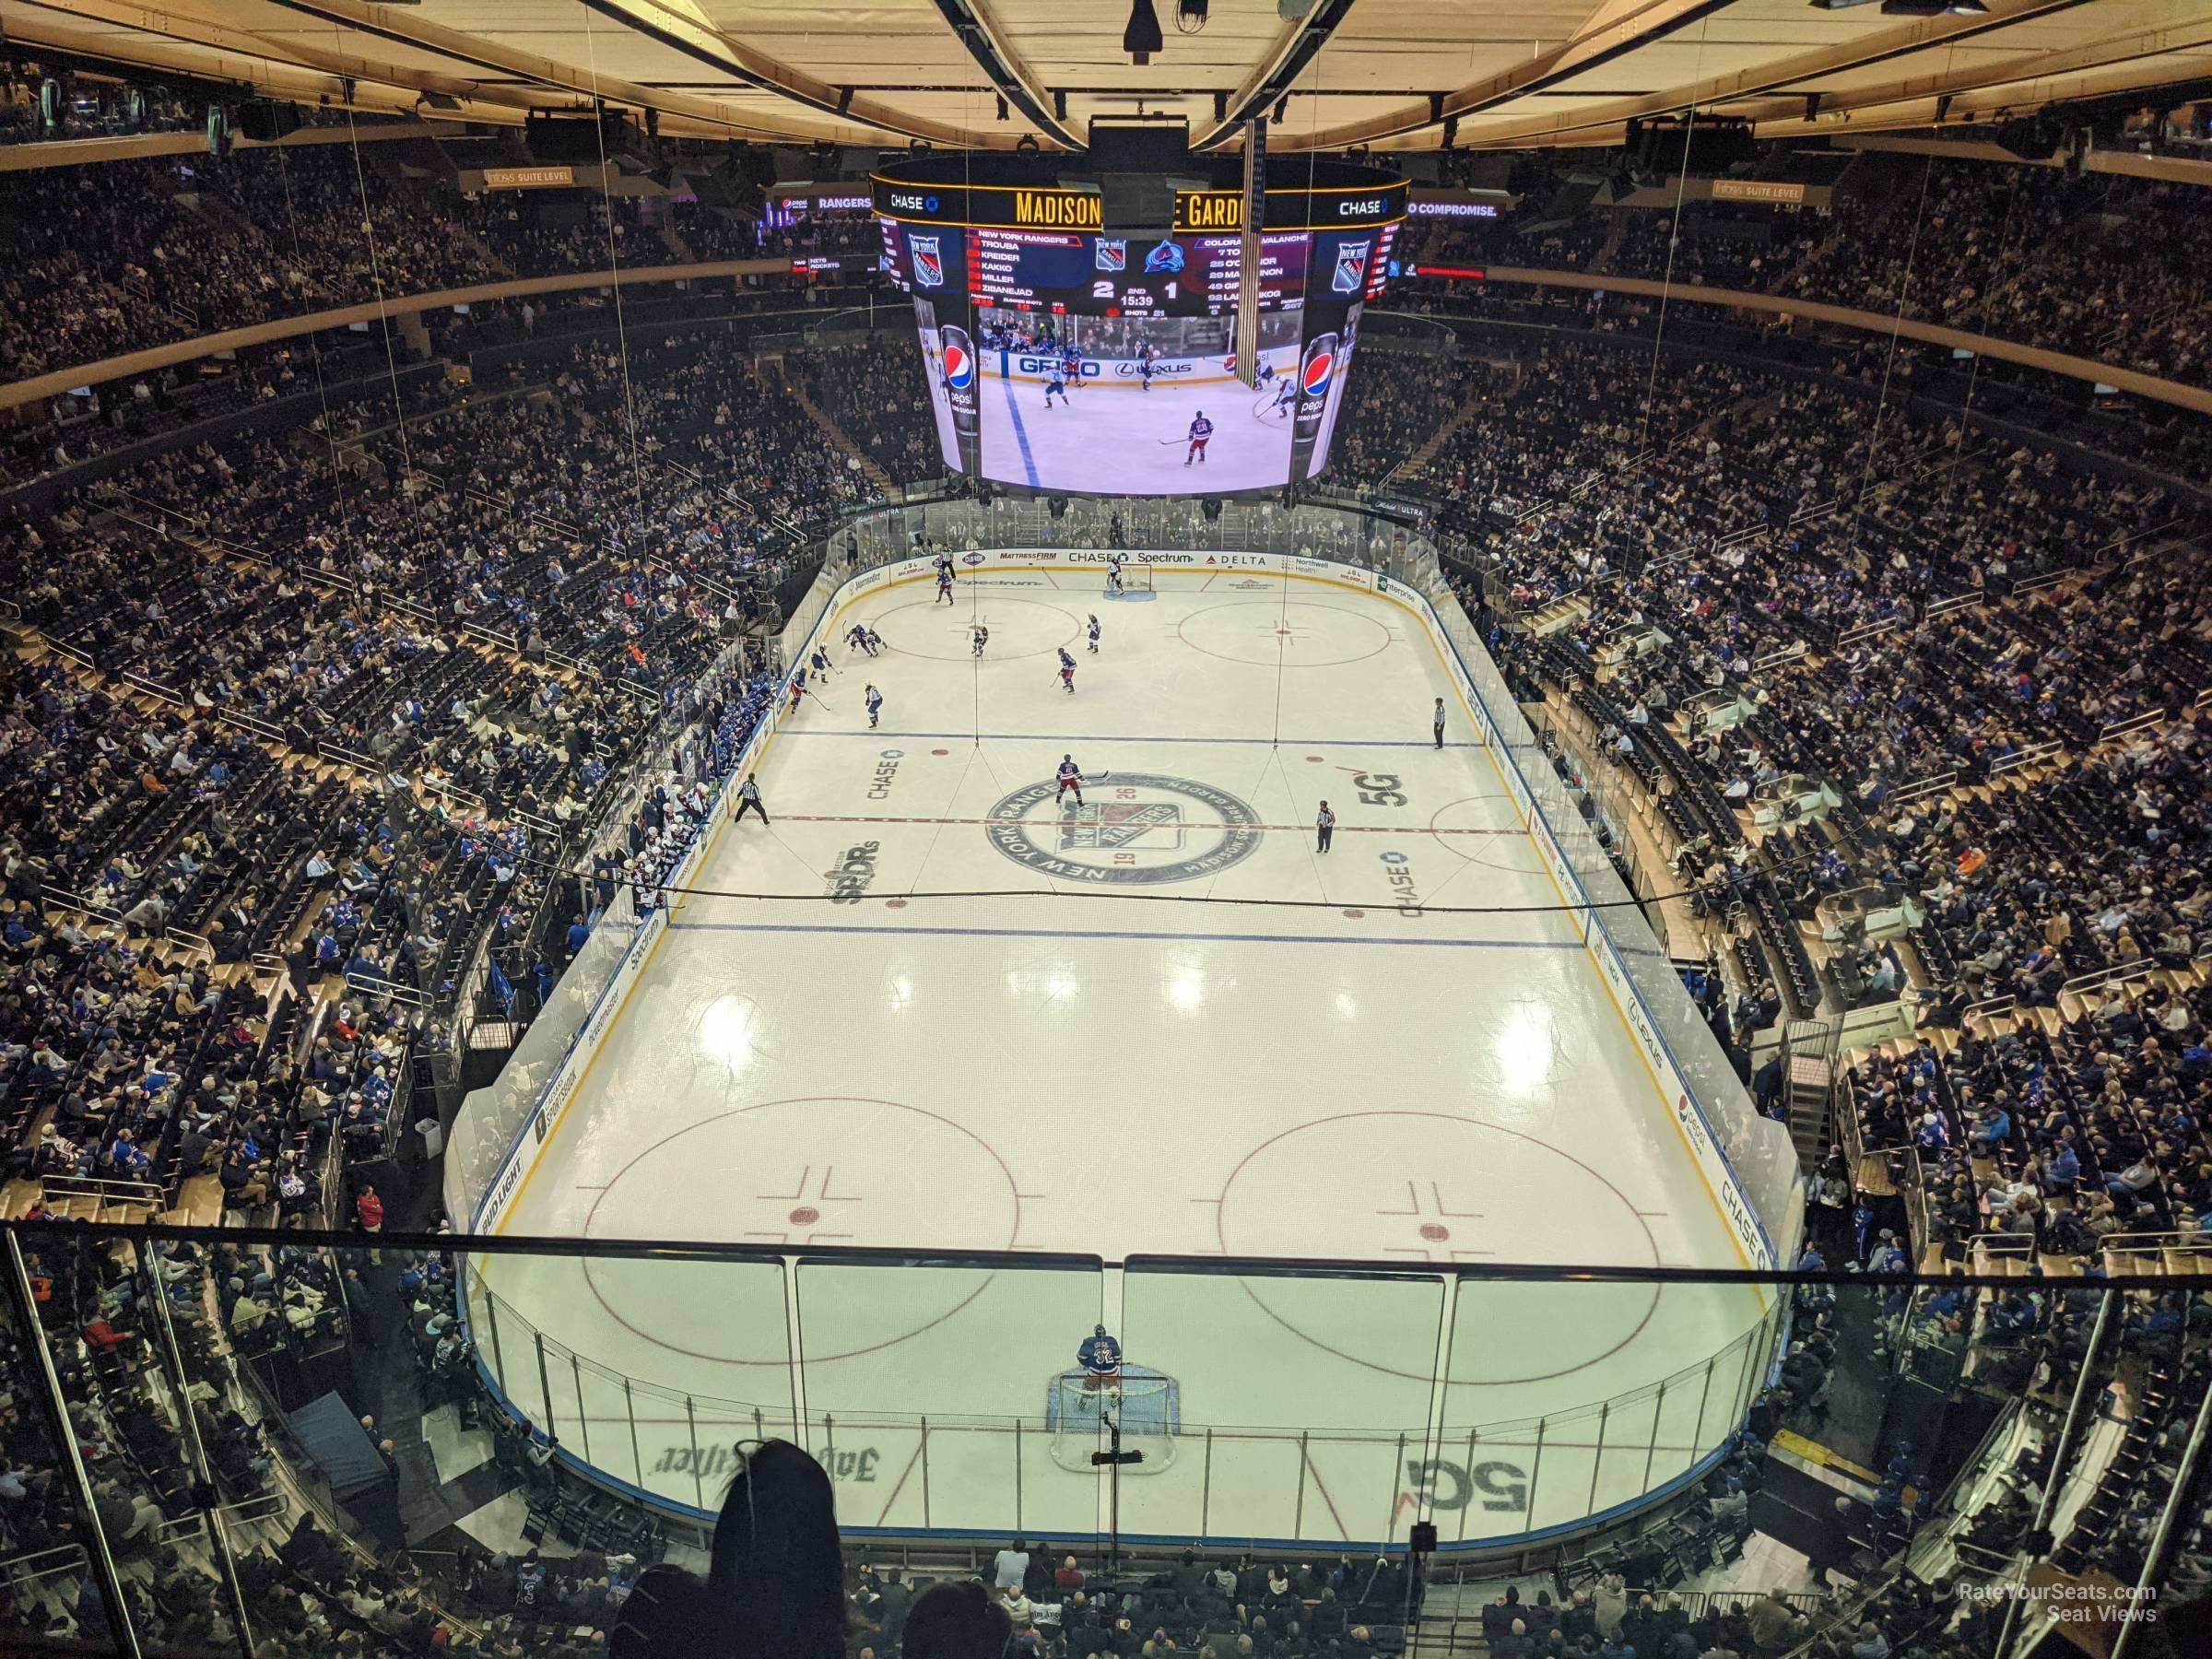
1142 38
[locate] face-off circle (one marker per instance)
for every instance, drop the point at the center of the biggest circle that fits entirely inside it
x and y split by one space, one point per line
827 1170
1133 829
1019 628
1409 1187
1269 634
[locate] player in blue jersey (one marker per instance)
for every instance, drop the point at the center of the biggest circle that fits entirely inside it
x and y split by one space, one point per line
1067 671
1201 429
1071 778
1100 1357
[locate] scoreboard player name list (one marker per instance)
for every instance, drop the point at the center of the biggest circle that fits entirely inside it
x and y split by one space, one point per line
1027 267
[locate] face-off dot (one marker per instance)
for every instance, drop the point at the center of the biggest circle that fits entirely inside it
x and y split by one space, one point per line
805 1216
1354 914
940 751
1435 1232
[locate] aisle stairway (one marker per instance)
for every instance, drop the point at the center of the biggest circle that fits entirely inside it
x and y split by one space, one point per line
820 416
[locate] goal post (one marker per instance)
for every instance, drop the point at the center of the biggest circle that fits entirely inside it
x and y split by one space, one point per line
1146 1404
1136 578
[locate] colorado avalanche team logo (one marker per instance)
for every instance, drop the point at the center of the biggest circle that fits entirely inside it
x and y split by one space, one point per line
1320 368
959 366
929 267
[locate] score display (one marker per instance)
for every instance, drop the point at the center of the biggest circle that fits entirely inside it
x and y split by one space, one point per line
1083 274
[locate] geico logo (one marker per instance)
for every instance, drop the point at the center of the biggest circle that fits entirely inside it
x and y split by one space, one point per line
1031 365
1354 209
911 203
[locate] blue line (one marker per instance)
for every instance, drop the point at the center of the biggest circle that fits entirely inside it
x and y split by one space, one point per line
1021 433
1080 737
1180 938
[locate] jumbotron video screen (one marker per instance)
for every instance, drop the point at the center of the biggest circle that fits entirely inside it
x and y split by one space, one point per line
1075 362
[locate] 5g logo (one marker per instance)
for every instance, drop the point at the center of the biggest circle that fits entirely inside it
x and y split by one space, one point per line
1448 1487
1377 789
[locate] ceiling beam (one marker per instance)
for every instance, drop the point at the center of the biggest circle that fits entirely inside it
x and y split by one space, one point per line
408 28
1017 82
1919 34
680 30
1272 80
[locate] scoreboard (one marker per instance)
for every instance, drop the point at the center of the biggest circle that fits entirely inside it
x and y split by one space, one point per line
1086 273
1044 246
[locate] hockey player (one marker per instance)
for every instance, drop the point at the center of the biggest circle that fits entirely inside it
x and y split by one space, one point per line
981 638
1071 366
1055 385
819 661
857 638
1201 429
1071 778
798 689
1145 371
1113 571
1094 636
874 641
1286 398
874 701
1067 671
944 584
1100 1357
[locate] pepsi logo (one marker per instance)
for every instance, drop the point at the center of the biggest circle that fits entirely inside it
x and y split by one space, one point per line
960 366
1319 368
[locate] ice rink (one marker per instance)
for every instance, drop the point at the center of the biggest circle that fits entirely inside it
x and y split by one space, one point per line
1115 1038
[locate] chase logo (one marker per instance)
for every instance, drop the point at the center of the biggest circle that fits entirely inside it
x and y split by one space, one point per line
960 366
1319 369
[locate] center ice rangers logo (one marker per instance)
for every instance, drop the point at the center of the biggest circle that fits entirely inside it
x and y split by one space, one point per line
1135 829
1112 826
929 268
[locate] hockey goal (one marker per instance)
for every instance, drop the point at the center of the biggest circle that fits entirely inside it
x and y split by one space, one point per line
1136 578
1146 1404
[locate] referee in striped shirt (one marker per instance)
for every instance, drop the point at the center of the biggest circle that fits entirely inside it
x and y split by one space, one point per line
1324 826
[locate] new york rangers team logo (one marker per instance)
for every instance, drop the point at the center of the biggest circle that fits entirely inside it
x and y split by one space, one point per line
929 266
959 366
1351 266
1110 253
1319 369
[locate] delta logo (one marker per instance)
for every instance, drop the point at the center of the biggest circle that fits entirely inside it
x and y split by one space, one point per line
1320 368
960 366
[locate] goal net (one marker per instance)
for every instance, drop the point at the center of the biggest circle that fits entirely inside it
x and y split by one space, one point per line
1136 578
1146 1404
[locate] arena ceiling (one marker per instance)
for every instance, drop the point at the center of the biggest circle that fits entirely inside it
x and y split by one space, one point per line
1389 73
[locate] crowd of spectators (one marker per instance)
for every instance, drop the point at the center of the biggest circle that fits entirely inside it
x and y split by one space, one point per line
2026 254
874 391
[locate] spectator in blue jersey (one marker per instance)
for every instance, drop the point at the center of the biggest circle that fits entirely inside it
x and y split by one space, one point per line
1100 1357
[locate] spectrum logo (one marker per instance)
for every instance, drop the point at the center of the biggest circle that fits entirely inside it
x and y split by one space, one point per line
1319 368
960 366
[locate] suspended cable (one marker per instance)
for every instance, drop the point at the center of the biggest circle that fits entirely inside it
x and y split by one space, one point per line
314 346
614 261
1896 326
376 278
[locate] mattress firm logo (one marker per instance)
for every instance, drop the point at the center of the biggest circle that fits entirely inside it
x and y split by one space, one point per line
1131 829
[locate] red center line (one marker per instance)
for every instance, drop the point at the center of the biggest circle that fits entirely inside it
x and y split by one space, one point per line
838 818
